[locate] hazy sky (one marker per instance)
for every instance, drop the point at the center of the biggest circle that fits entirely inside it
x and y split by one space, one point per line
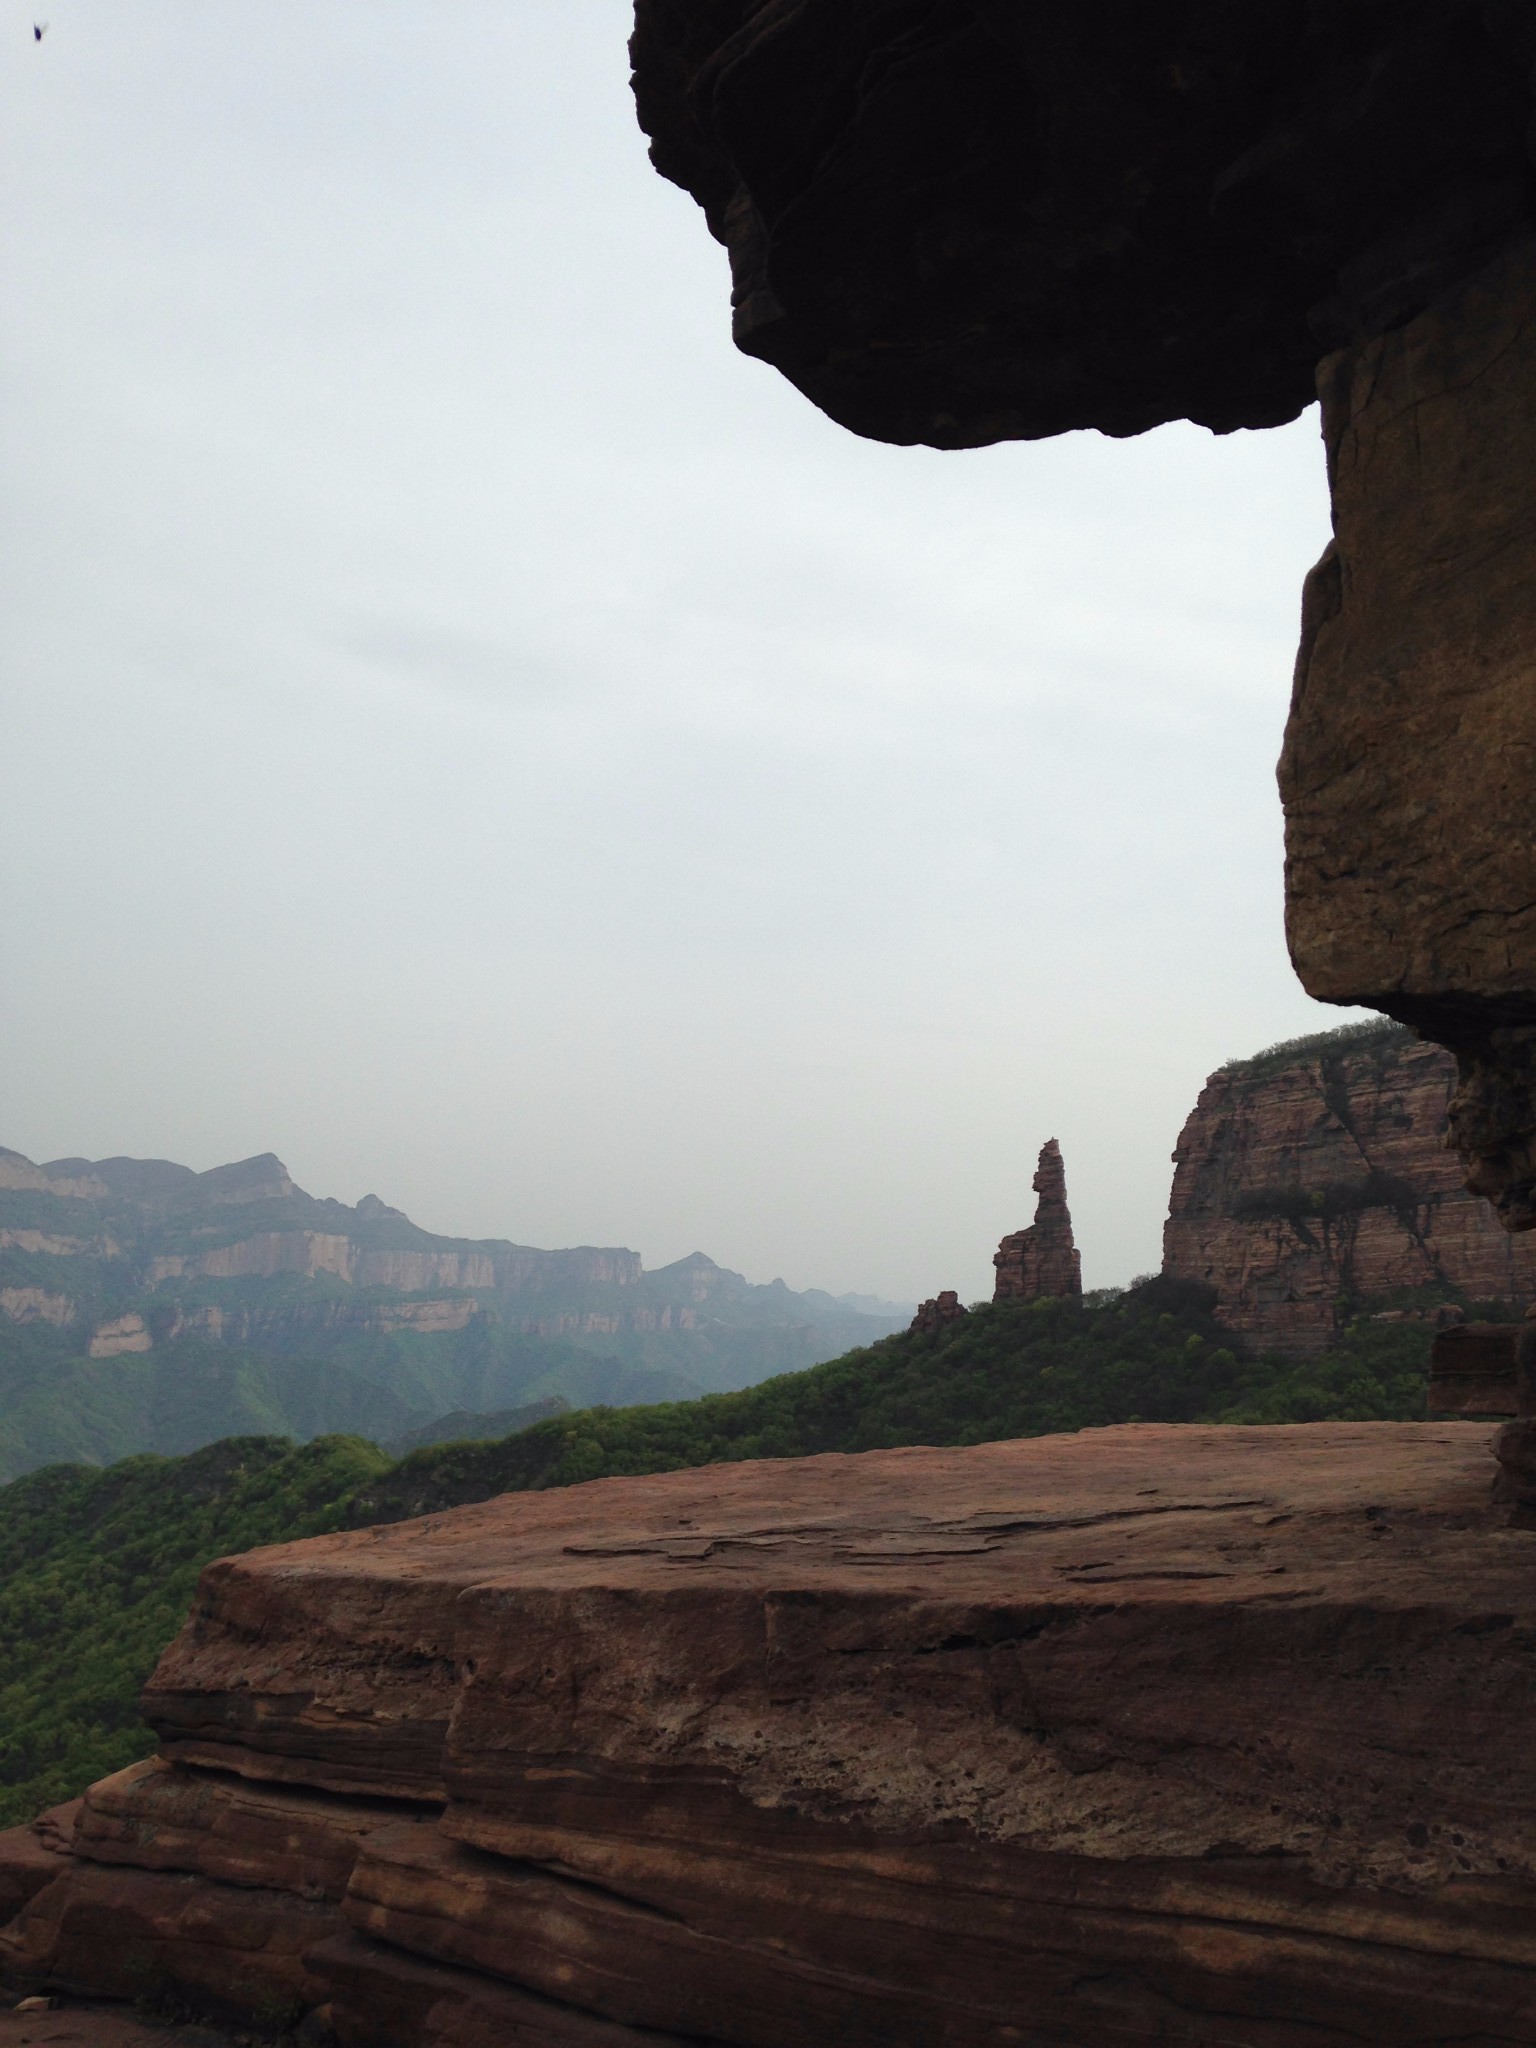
473 733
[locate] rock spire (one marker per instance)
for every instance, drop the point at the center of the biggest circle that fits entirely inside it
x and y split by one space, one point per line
934 1317
1042 1259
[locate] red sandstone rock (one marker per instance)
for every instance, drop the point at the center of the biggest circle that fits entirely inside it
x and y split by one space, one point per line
1136 1736
33 1856
137 1934
381 1997
1329 1177
94 2025
1411 858
1043 1259
935 1316
959 226
162 1816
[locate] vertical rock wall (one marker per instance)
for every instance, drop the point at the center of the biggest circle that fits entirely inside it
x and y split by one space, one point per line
1321 1180
1409 770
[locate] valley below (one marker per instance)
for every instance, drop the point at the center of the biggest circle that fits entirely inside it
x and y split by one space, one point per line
145 1307
810 1619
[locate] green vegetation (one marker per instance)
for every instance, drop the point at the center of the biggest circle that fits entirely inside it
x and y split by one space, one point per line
96 1573
97 1567
1151 1354
1369 1034
1331 1202
58 1404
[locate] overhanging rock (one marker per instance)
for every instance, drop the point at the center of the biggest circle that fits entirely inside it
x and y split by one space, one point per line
962 224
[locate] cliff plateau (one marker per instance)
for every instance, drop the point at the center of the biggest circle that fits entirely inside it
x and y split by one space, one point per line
940 1749
1315 1181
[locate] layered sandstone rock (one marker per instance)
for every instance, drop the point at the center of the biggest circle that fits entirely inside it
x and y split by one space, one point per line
1309 1186
921 1747
1042 1259
962 225
1409 769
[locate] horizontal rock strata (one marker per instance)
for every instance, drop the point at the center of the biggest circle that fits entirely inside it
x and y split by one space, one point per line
1308 1186
1143 1735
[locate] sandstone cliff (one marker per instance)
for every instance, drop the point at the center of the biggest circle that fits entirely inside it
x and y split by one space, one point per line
1316 1180
920 1749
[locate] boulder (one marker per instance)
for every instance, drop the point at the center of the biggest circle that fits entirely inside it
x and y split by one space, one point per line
1316 1178
958 226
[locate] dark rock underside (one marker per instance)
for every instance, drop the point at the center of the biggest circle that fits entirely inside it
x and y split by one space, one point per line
958 224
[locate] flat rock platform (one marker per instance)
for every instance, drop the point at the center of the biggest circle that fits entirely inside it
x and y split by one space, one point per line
1149 1734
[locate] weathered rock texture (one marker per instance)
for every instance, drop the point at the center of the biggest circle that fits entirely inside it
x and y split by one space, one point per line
958 225
1409 771
1312 1185
1042 1259
922 1747
935 1316
1473 1370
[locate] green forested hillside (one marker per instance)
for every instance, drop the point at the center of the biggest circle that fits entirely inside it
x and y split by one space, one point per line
97 1571
57 1405
97 1567
145 1307
1151 1354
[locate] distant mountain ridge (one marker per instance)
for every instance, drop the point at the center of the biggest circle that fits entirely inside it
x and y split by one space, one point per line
108 1261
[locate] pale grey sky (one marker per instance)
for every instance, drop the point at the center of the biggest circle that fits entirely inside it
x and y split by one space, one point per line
473 733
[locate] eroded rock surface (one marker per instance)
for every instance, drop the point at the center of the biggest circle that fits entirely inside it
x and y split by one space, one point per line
1307 1187
929 1747
1042 1259
935 1316
1409 769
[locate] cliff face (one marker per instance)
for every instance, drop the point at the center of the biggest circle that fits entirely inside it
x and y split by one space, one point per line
1406 773
938 1748
1311 1178
144 1251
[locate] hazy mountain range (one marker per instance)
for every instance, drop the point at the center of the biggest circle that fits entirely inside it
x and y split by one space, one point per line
146 1307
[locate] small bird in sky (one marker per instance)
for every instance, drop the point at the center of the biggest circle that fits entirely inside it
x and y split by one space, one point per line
39 30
